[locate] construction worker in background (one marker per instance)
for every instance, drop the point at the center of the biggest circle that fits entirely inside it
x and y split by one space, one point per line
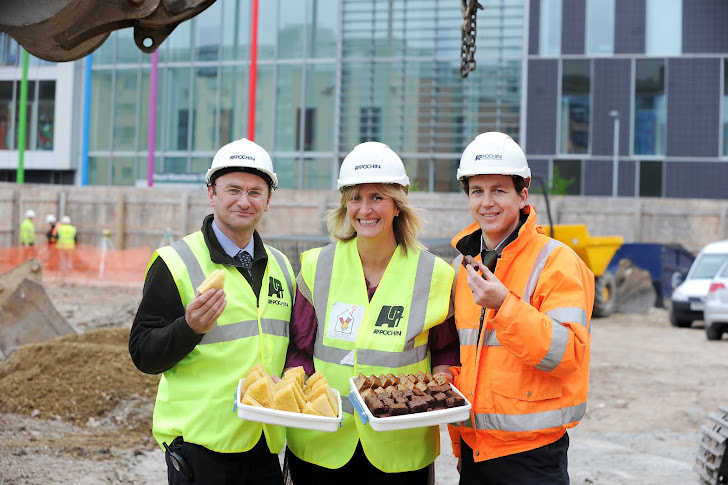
52 238
27 234
523 317
378 273
66 243
203 344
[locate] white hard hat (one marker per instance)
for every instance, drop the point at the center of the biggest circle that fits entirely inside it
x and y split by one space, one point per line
243 154
65 220
370 163
30 213
493 153
50 219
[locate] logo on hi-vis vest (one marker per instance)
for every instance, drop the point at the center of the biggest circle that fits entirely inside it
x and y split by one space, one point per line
389 316
344 322
275 288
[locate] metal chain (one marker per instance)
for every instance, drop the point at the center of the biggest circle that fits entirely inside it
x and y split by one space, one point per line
469 9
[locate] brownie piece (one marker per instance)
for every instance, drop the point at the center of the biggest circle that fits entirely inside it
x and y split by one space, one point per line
441 388
387 401
455 401
417 406
401 400
417 392
430 401
408 394
398 409
440 399
376 407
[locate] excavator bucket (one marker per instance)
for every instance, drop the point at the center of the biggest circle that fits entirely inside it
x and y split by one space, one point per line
26 313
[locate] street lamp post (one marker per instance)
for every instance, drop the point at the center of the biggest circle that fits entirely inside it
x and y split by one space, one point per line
615 151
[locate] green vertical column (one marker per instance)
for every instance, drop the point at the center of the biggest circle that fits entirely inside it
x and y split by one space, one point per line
22 117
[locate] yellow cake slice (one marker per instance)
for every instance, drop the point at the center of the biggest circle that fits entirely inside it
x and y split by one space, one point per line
323 406
260 391
285 400
308 409
215 280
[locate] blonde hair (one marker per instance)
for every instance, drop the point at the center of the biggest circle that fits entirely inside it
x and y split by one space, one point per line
406 225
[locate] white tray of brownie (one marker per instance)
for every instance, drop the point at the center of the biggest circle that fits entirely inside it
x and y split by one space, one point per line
389 402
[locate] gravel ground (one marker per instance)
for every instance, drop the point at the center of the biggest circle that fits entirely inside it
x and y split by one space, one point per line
76 411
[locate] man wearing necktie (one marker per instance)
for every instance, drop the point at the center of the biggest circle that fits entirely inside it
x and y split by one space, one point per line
204 343
522 311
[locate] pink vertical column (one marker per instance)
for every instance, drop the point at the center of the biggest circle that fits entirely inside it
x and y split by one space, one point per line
152 118
253 76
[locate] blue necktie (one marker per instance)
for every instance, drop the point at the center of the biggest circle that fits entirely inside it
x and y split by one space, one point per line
245 259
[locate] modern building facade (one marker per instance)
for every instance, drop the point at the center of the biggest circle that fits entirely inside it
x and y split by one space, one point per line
560 76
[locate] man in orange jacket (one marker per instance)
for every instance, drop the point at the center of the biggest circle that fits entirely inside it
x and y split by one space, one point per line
523 318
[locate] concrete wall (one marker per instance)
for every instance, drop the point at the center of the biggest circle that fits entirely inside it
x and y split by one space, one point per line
141 216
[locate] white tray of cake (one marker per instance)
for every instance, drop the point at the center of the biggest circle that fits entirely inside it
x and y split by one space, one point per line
390 403
312 405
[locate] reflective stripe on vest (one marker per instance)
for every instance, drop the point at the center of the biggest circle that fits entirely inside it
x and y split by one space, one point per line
526 422
233 331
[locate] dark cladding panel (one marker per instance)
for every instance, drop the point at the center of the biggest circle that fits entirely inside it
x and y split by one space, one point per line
598 177
541 107
629 28
696 179
534 29
694 113
705 27
612 87
573 20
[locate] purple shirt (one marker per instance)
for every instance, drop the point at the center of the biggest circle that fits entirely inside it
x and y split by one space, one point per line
443 339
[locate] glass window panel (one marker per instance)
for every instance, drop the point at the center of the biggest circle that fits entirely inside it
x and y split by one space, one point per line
101 99
6 115
663 32
178 118
445 175
264 107
286 171
125 110
291 30
233 104
98 170
320 80
235 39
550 28
567 176
143 112
200 165
600 26
267 15
323 28
650 179
208 34
418 171
650 110
141 170
178 46
500 30
46 114
105 53
575 106
204 120
316 173
126 49
174 165
289 107
123 171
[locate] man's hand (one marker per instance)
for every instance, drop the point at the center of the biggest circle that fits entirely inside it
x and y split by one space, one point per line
488 291
202 312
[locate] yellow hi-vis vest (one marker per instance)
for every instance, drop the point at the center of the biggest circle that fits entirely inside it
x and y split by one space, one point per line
195 397
27 232
387 335
66 237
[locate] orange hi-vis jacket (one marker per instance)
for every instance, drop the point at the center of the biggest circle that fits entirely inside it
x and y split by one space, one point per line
526 373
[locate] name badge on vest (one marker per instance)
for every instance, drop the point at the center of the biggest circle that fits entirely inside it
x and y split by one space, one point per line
344 321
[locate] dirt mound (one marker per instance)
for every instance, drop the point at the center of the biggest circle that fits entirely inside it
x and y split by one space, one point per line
79 378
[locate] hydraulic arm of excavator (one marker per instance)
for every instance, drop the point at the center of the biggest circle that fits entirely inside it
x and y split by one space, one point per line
66 30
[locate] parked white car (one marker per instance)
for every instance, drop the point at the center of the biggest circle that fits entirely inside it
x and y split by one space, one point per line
715 313
688 298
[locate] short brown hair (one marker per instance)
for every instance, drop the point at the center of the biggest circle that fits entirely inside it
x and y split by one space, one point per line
518 182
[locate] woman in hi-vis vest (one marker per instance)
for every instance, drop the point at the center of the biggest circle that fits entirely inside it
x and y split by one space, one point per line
371 302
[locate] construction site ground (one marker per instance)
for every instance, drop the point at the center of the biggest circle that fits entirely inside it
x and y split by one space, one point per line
76 411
